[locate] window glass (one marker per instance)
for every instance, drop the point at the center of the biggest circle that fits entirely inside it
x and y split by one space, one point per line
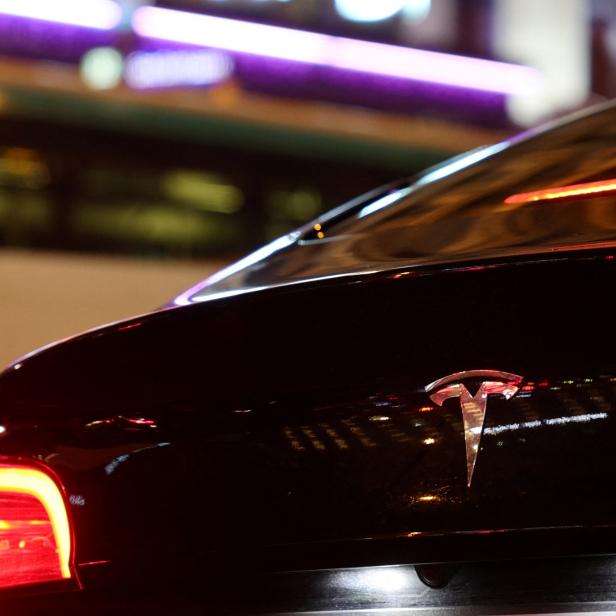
473 205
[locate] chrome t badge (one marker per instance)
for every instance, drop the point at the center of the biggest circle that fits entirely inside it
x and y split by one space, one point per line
473 407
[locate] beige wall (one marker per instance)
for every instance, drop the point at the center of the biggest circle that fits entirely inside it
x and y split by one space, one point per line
48 296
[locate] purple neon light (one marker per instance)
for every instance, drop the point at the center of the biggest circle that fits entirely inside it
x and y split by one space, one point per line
333 51
97 14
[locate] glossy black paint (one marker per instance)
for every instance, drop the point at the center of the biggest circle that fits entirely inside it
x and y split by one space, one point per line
234 428
289 428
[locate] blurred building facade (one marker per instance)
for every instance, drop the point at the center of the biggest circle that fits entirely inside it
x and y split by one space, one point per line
201 128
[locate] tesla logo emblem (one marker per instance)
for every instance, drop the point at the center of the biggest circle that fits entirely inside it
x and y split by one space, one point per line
473 407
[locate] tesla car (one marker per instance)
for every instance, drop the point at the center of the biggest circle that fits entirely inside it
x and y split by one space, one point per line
409 403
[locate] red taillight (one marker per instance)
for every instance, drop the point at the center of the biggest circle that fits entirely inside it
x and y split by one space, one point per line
35 536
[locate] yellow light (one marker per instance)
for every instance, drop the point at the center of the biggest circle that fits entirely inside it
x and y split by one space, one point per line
317 227
563 192
379 418
320 235
39 485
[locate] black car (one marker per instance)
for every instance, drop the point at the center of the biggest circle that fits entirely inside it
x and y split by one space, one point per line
408 403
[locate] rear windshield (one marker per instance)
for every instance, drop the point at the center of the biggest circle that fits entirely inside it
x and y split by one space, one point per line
554 189
557 188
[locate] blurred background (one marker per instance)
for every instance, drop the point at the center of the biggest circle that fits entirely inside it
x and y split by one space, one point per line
145 143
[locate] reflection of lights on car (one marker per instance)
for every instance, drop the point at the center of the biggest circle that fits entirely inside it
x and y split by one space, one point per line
588 189
111 467
429 441
141 421
384 579
379 204
552 421
254 257
130 326
318 228
99 422
428 498
459 163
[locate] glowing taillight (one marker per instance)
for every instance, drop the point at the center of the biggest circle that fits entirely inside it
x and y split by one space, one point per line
35 535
